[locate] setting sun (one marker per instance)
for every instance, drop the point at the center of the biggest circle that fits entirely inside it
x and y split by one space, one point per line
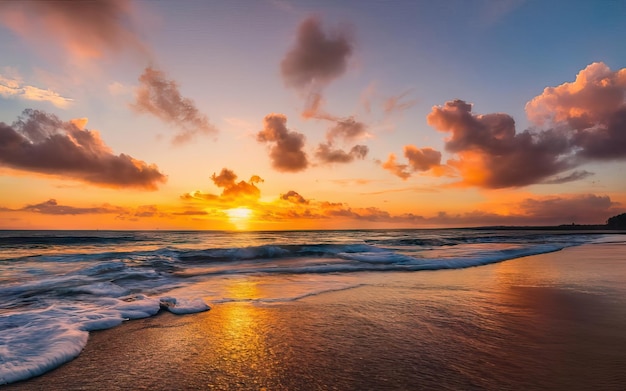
239 217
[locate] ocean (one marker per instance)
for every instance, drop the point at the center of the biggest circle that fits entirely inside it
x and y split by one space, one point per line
58 286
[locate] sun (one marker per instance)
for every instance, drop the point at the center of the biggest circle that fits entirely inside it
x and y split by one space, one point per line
239 217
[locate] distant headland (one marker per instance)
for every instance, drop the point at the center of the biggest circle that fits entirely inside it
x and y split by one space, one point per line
617 222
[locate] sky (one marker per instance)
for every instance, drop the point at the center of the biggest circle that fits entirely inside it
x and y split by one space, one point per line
280 115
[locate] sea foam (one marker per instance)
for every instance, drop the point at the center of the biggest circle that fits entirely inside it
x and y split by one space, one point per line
35 341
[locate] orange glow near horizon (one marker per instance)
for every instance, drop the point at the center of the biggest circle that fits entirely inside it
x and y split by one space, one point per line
239 217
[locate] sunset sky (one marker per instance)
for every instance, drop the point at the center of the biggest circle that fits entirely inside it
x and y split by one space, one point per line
284 114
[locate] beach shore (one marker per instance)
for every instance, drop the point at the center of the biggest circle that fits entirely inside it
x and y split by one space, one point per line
552 321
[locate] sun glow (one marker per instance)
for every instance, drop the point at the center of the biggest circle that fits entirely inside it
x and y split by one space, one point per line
239 217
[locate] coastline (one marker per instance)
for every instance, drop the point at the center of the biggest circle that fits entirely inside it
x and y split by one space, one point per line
549 321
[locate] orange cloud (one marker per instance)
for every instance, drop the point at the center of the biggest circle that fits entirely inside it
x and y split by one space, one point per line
578 122
399 170
286 152
596 93
42 143
491 153
420 160
227 180
85 29
592 108
160 97
234 193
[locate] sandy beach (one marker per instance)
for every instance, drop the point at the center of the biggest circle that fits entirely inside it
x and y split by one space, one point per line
553 321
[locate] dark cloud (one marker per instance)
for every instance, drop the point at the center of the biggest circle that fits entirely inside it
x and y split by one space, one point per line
294 197
576 122
347 129
51 207
317 58
86 29
580 209
571 177
160 97
326 154
287 152
227 180
42 143
490 152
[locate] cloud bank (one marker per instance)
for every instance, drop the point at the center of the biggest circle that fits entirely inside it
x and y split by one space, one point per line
52 207
575 123
41 143
160 97
491 154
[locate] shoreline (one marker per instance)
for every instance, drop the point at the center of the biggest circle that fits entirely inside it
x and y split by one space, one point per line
324 341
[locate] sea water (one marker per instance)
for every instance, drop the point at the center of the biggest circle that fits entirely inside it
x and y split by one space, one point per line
57 286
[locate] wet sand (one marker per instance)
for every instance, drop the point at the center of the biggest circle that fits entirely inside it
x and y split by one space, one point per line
553 321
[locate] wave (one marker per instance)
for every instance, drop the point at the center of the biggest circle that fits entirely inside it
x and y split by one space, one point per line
47 240
36 341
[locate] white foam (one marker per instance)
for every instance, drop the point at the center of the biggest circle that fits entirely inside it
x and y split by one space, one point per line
36 347
183 306
35 341
137 307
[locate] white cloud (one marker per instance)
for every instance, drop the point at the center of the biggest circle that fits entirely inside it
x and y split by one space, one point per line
13 87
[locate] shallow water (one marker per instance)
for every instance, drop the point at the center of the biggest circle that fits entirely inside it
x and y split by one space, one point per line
60 286
549 322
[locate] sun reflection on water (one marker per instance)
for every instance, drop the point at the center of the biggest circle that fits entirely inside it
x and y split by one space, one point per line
244 348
